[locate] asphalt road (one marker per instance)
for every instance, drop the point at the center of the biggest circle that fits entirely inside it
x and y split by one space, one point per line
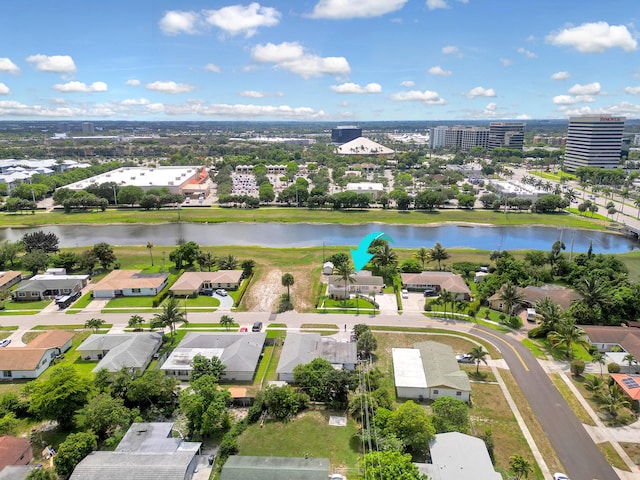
575 448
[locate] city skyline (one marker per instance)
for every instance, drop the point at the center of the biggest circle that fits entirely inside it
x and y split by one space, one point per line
320 60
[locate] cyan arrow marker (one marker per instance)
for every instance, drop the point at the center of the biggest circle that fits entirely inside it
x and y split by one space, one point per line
361 256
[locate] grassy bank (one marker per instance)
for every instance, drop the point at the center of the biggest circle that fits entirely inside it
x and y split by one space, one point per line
298 215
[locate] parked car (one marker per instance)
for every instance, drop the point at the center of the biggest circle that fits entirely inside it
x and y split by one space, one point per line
5 342
257 327
243 329
430 292
405 293
222 292
464 358
206 291
560 476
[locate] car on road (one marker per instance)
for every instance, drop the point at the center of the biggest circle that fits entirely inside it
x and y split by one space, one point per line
430 292
464 358
244 329
222 292
405 293
5 342
257 327
560 476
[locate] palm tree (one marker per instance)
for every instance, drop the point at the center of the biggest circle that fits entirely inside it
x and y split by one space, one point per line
346 273
383 256
568 333
228 263
438 254
600 359
446 297
570 194
630 359
478 355
170 315
520 467
423 255
636 203
94 324
150 248
206 260
287 281
510 297
624 194
136 321
226 321
612 400
593 292
549 313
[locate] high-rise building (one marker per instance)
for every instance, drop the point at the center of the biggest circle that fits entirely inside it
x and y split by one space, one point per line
345 133
474 137
459 137
88 127
437 137
594 141
506 135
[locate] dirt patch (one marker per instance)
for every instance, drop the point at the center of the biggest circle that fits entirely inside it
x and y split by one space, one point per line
264 293
302 290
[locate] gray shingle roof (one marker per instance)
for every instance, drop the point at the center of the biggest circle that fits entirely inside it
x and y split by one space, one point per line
126 350
301 348
133 466
274 468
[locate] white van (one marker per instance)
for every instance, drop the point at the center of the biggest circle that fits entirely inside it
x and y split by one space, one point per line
531 314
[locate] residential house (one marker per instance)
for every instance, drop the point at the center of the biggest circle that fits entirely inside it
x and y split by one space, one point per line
270 468
40 287
114 352
456 456
239 352
192 283
438 281
35 358
615 342
9 279
130 283
363 283
148 450
14 451
428 371
302 348
561 296
630 385
15 472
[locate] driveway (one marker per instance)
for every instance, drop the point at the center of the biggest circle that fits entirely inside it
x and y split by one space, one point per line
226 302
415 302
387 302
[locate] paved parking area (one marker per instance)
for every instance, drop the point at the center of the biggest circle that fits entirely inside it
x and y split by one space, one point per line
387 302
415 302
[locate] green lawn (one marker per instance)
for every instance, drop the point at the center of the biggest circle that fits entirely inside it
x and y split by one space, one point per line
37 306
307 434
322 328
123 302
72 357
83 301
201 301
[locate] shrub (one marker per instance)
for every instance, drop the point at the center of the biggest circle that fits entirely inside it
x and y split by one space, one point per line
577 367
537 332
285 303
613 367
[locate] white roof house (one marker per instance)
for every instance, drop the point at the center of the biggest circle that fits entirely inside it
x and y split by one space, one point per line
457 456
408 373
363 146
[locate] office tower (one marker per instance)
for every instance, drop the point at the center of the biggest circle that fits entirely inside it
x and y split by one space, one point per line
506 135
594 141
345 133
437 136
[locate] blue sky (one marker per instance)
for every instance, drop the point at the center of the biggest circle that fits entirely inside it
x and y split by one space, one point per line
329 60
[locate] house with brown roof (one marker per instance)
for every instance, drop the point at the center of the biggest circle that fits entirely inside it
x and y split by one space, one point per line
35 358
561 296
9 279
615 342
192 283
130 283
439 281
14 451
630 385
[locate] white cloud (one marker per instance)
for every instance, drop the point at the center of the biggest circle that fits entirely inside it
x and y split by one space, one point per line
632 90
438 70
135 102
4 90
451 50
408 84
523 116
491 110
238 19
336 9
252 94
588 89
291 56
560 76
527 53
570 99
239 110
594 37
506 62
6 65
480 92
435 4
169 87
210 67
428 97
133 82
175 22
54 63
356 88
80 87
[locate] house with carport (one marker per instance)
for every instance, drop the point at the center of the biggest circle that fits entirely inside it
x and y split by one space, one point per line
130 283
35 358
192 283
615 342
115 351
239 352
302 348
428 371
451 282
363 284
46 285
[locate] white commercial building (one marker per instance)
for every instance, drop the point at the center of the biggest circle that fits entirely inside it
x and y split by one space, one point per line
594 141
